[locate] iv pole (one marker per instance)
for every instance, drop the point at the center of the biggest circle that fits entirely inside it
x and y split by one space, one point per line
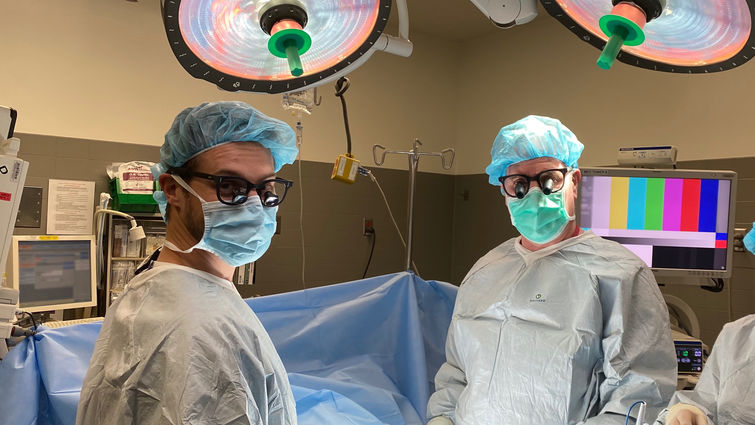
447 161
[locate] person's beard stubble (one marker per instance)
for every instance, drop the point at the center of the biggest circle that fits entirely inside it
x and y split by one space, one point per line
194 220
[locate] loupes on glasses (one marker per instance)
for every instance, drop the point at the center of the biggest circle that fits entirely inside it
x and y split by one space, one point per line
550 181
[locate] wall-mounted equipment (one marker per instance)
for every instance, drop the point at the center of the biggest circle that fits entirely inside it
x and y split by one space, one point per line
508 13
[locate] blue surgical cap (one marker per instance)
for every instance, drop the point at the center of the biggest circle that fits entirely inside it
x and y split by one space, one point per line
203 127
529 138
749 239
208 125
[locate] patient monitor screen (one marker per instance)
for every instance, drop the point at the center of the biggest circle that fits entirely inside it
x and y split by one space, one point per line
54 272
671 223
689 356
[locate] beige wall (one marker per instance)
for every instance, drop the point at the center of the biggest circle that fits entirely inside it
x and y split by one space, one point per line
542 68
103 70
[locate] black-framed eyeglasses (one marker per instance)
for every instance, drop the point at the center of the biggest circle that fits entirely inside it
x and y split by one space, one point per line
232 190
550 181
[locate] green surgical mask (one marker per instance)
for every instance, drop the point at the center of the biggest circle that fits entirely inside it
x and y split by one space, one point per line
539 217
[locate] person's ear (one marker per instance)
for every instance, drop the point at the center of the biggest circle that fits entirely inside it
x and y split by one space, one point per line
170 188
576 179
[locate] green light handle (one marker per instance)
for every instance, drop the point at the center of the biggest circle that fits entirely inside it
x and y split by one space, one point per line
294 61
613 47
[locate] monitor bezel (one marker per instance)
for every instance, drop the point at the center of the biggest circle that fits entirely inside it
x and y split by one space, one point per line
677 173
14 281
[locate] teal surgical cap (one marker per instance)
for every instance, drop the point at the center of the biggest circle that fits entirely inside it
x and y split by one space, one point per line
208 125
529 138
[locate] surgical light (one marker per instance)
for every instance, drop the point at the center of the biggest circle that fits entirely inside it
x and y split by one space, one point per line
687 36
278 46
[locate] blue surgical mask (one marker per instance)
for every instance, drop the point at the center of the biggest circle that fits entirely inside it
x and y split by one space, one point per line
238 234
540 217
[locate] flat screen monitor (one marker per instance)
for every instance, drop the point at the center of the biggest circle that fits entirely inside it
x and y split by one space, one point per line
680 222
53 272
689 357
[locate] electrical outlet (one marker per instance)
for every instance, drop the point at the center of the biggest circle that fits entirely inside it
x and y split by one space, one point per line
367 228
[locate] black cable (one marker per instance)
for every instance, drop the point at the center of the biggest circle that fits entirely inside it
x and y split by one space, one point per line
22 323
717 288
341 86
369 260
149 262
31 316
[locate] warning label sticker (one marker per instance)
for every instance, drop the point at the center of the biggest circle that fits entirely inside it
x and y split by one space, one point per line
4 196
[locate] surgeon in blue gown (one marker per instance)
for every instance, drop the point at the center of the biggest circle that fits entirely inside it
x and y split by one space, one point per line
557 326
180 346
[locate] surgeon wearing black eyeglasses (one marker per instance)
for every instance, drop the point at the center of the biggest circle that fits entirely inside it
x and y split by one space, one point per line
180 345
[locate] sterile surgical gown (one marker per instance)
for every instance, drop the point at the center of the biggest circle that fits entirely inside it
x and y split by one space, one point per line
726 390
573 333
180 346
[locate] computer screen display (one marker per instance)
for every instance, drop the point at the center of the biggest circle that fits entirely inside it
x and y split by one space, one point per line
689 356
680 222
54 272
